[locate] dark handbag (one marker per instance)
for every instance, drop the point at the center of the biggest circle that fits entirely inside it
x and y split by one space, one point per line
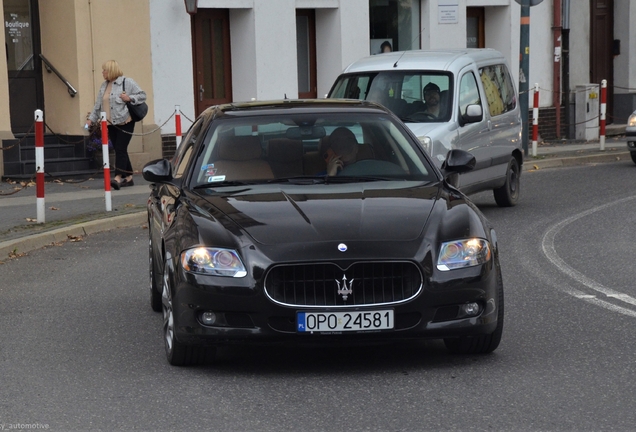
137 112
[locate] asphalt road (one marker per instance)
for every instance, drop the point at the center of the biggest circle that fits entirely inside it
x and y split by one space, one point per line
80 348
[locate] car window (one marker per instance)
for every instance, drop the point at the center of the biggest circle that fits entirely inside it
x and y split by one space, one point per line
402 92
498 88
184 152
265 148
468 92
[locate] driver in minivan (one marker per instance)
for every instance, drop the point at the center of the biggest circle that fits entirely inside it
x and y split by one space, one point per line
432 98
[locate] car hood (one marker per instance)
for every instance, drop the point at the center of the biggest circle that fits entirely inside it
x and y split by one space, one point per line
275 214
426 129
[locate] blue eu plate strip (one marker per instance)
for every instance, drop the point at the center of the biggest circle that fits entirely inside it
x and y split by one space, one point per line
300 321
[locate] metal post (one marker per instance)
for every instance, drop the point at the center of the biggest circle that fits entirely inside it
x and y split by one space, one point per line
603 111
39 164
177 124
535 120
106 161
524 67
565 50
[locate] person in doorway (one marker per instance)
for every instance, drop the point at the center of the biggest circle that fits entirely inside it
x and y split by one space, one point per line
342 151
386 47
432 98
112 100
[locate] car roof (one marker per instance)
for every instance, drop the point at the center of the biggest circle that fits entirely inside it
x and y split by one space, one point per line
273 107
443 60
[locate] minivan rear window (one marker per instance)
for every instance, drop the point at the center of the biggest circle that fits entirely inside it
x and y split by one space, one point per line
414 96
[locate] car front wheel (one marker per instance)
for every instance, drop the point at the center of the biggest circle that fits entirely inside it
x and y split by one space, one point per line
179 354
508 194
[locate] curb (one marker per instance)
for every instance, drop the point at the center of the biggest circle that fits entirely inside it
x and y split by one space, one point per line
37 241
533 165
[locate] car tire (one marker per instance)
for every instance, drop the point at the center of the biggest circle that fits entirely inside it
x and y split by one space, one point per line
483 344
508 194
177 353
155 294
633 155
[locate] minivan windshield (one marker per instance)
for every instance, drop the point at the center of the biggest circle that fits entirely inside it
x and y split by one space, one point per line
414 96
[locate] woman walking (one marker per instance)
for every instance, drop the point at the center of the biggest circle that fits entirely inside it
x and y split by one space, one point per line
115 92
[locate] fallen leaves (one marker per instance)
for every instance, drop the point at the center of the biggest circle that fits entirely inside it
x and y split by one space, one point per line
15 254
53 208
31 220
74 238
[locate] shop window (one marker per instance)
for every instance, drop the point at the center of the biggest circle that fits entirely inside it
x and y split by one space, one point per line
395 25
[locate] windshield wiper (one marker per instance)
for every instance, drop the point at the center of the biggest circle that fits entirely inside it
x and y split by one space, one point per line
357 179
224 184
299 180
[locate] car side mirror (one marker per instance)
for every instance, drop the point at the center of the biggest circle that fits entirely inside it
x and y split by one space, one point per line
474 113
457 162
157 171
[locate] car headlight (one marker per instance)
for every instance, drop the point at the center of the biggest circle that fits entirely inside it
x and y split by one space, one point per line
463 253
426 143
631 121
213 261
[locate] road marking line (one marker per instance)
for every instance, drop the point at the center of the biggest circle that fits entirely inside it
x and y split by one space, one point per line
549 251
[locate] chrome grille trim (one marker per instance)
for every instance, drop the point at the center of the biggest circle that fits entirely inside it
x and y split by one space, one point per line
313 285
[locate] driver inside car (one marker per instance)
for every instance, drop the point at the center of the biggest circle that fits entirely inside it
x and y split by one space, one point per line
432 98
342 151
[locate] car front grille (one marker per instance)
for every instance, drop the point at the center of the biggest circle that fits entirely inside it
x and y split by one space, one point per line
368 283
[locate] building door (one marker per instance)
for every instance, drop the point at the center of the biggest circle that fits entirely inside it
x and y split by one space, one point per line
212 67
601 49
306 53
475 27
22 37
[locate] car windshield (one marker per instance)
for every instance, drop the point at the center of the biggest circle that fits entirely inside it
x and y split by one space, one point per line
308 148
414 96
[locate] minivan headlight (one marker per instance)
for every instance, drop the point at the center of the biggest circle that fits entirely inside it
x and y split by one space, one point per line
426 143
463 253
631 121
213 261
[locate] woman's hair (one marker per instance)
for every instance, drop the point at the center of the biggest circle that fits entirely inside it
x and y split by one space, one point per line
113 71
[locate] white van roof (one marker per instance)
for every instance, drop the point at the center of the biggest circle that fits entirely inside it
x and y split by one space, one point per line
450 60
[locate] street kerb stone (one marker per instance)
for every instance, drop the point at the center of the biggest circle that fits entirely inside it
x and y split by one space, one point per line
37 241
556 162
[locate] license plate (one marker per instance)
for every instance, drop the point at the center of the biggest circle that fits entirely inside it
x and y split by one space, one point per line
318 322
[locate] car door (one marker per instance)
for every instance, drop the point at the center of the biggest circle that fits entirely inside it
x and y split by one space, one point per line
472 137
504 115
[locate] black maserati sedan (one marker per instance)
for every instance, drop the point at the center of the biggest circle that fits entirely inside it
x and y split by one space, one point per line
316 222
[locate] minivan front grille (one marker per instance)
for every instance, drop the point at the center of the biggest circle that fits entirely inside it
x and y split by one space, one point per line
364 283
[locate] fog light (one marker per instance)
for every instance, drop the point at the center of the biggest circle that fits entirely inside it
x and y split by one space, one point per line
471 309
208 318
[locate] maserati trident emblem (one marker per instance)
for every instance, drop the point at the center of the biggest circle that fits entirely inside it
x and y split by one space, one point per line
345 290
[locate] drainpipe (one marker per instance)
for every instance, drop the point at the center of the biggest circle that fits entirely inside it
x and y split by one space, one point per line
566 66
556 74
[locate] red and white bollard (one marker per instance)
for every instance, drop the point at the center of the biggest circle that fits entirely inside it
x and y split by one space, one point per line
535 120
177 124
39 164
106 161
603 111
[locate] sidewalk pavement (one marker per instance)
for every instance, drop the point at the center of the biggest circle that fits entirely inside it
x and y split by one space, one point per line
75 208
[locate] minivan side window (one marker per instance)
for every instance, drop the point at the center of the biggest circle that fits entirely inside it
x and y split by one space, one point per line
499 89
468 92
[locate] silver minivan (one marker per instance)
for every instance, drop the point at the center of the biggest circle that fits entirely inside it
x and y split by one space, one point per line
452 99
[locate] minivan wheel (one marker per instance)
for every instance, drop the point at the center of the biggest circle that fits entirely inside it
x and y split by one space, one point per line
633 155
508 194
